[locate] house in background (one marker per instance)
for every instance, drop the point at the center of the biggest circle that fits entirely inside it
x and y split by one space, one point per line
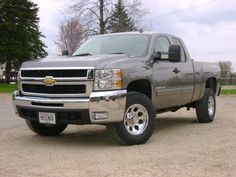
13 75
2 70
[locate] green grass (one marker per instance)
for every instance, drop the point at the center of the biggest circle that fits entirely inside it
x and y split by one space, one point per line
228 92
7 88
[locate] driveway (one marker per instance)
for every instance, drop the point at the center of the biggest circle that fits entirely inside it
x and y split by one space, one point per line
179 147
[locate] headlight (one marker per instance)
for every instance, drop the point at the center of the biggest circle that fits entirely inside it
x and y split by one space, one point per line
109 79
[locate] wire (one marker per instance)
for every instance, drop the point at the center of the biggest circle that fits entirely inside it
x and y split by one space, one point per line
179 11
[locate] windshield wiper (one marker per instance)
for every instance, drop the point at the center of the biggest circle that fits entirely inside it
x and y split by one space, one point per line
118 53
83 54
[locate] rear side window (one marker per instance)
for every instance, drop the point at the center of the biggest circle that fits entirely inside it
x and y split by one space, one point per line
177 42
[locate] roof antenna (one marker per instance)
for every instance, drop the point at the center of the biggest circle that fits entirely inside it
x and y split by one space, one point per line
141 30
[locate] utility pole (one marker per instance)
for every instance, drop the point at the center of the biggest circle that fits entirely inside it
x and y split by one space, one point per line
102 24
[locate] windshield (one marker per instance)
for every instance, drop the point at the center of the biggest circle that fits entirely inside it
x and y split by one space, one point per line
129 44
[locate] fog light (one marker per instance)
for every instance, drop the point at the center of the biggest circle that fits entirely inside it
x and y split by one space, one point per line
100 115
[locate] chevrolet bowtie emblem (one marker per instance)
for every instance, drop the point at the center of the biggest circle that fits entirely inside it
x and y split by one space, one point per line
49 81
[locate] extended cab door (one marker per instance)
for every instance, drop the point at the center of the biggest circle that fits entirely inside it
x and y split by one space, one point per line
174 82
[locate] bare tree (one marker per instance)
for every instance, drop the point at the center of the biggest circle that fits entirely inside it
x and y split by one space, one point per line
225 71
71 35
95 15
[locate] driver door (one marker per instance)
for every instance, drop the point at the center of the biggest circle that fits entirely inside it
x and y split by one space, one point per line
166 77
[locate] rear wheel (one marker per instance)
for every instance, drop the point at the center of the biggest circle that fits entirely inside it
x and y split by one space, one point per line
138 123
45 130
206 107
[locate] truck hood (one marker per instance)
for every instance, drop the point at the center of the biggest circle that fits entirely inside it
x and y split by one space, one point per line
95 61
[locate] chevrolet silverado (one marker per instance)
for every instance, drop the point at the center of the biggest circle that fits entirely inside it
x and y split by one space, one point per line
120 80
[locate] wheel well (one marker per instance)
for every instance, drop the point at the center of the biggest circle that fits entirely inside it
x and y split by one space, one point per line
211 83
141 86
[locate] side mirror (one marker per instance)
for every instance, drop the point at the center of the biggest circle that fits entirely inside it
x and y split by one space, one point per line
65 53
174 53
157 56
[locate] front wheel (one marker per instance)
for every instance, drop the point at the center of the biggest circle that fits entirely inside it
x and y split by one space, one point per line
206 107
45 130
138 122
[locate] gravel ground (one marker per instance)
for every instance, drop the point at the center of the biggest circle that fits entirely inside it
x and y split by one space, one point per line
179 147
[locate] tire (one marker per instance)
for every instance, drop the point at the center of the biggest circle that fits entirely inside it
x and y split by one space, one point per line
45 130
138 123
206 107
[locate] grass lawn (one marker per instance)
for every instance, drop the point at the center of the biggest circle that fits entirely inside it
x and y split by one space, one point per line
7 88
228 92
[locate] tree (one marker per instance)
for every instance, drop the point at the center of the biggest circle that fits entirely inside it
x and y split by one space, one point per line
20 36
225 71
95 15
120 20
70 35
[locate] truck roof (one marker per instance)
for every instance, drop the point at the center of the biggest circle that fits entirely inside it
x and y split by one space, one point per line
138 32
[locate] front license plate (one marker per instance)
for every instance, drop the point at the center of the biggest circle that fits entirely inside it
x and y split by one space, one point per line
47 118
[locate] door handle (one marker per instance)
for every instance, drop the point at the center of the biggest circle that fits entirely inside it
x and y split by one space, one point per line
176 70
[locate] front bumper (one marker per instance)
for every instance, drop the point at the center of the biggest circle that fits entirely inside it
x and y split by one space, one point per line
110 103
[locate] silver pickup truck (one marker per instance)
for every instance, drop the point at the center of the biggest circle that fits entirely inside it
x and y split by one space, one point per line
119 80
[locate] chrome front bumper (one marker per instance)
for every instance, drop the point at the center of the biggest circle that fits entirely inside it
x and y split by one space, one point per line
111 103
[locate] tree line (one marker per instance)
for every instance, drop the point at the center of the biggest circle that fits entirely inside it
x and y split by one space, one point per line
226 73
21 40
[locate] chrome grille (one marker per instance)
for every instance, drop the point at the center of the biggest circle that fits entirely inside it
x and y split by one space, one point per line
67 82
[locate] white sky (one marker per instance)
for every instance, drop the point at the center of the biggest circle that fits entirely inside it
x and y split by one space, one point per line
208 27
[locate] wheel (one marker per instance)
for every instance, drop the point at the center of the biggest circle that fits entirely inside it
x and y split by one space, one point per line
206 107
138 122
45 130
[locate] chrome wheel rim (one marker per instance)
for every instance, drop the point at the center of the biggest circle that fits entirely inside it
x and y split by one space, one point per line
211 106
136 119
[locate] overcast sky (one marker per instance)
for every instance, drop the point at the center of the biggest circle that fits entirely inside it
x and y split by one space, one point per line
208 27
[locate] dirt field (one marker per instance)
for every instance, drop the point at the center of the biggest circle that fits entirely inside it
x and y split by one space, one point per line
179 147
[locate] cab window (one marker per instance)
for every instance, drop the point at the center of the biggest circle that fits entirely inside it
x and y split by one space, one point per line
162 45
177 42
